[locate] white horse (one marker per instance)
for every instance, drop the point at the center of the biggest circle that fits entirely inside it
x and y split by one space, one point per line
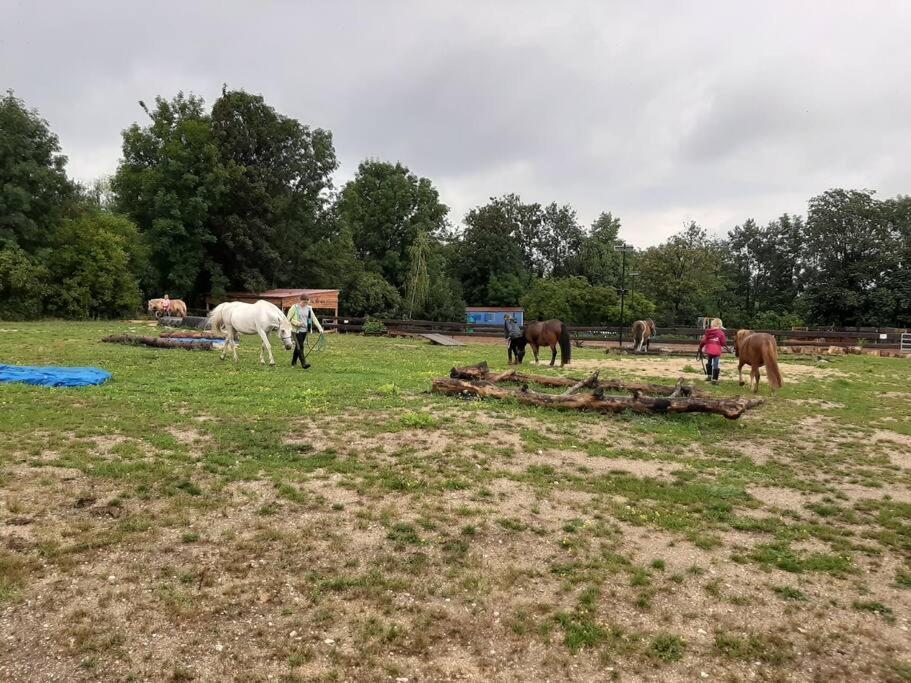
260 318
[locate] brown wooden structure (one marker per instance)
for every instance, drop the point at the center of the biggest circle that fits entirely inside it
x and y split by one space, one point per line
323 300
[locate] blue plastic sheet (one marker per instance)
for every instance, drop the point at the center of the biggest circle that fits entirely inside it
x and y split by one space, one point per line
50 376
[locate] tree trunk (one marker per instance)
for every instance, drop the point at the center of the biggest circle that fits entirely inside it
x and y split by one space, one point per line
595 401
482 372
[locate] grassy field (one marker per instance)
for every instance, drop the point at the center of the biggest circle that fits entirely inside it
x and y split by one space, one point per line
195 520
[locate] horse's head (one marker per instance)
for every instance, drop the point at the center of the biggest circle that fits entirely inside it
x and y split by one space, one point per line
153 305
738 339
518 348
284 333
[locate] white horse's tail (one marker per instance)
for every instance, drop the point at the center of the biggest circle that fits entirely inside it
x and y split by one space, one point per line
215 321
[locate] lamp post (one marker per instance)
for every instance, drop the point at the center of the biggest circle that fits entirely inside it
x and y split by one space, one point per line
623 248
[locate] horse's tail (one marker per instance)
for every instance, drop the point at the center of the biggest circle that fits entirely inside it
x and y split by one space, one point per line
770 359
565 345
214 320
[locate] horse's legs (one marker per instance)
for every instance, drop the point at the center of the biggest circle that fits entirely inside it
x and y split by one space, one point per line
266 346
740 372
754 378
534 350
553 355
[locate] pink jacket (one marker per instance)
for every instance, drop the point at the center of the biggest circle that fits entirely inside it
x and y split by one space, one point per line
713 342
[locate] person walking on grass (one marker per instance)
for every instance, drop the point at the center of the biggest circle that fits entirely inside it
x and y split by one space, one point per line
303 320
713 342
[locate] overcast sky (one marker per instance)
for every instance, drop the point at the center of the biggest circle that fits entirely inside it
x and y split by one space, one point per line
661 112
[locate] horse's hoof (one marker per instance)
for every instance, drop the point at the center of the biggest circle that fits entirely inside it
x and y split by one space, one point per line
742 383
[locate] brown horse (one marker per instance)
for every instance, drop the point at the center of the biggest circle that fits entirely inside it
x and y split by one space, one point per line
176 307
757 349
545 333
643 331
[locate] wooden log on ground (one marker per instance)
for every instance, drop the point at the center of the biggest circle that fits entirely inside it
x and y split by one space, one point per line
191 335
594 401
157 342
482 372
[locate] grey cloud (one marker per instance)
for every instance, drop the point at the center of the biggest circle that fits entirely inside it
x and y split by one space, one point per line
659 112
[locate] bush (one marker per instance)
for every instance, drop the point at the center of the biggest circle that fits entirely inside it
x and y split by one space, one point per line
770 320
22 281
374 328
370 294
93 267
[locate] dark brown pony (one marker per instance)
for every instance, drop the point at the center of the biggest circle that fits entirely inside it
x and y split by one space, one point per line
643 331
757 349
545 333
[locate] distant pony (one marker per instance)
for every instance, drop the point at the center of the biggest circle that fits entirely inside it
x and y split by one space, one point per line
173 307
545 333
757 349
643 331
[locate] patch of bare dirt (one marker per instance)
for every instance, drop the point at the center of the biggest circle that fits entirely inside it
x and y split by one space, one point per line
673 367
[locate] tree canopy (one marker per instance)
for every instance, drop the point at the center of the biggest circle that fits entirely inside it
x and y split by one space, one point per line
240 196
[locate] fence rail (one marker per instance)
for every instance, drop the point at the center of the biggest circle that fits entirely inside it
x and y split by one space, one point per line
881 339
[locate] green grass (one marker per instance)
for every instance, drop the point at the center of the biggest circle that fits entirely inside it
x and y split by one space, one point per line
400 520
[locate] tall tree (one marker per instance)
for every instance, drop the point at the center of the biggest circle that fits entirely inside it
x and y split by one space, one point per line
386 207
850 252
34 189
558 242
682 275
417 286
278 175
494 261
598 260
170 181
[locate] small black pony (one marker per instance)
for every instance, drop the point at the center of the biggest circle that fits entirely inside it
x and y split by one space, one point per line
544 333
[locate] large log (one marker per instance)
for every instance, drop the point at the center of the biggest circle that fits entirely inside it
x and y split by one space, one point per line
482 372
158 343
596 401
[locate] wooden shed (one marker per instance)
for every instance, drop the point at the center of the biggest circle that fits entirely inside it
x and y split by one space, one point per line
323 300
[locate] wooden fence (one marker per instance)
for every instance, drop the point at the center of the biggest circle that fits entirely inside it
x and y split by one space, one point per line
884 338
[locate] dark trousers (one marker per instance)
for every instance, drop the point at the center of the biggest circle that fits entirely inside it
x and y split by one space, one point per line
300 348
713 367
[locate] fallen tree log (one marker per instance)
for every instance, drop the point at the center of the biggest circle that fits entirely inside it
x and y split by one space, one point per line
190 335
157 342
596 400
481 371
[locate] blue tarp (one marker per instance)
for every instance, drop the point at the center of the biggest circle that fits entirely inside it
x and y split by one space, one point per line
50 376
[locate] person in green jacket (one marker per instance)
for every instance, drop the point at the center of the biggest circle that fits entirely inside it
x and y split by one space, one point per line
303 320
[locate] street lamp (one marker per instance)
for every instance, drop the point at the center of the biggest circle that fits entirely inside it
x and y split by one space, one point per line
623 248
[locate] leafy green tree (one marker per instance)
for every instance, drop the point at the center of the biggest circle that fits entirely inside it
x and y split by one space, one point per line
170 182
278 172
573 300
235 198
763 266
22 283
850 253
683 276
557 242
386 207
898 280
92 267
493 261
598 261
369 294
34 189
417 286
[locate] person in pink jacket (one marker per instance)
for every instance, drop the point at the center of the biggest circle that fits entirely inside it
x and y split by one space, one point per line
713 342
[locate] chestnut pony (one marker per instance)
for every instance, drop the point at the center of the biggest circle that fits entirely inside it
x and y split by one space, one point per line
545 333
643 331
757 349
176 308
